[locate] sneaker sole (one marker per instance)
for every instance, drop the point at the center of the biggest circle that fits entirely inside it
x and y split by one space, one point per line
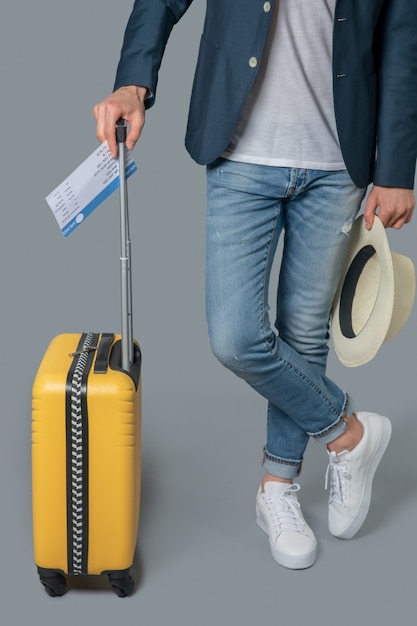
301 561
360 517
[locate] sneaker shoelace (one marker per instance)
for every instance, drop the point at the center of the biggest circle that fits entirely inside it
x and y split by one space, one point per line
338 471
286 510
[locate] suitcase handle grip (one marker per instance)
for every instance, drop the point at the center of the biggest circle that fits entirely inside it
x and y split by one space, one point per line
121 130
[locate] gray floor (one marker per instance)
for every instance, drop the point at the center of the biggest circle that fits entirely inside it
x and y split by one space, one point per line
201 559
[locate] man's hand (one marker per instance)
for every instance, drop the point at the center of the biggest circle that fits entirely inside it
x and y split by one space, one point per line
395 206
126 102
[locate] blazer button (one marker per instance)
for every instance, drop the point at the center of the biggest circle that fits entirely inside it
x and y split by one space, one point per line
253 62
267 7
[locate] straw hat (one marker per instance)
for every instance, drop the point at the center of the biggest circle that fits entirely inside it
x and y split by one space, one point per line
375 296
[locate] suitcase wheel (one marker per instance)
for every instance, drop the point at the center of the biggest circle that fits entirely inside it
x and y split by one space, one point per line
122 584
55 584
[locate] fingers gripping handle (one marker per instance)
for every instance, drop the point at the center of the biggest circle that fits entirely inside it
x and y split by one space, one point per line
121 130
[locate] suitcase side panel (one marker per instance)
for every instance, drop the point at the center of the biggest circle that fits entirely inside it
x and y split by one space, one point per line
114 471
49 486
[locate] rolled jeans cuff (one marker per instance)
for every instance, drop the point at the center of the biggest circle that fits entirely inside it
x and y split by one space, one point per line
281 468
337 428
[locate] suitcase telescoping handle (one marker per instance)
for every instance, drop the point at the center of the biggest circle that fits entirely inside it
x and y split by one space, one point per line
125 255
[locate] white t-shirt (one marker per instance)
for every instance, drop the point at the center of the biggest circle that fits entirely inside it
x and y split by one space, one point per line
288 119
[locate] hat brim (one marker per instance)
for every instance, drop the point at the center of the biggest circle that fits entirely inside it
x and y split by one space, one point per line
404 293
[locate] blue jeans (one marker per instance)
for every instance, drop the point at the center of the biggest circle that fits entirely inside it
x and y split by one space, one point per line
249 206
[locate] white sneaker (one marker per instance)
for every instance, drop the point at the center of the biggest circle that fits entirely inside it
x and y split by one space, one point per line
351 475
278 513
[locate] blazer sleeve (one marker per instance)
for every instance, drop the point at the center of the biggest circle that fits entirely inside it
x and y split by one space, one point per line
147 32
397 107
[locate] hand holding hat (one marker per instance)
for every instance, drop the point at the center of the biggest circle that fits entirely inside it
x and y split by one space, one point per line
375 296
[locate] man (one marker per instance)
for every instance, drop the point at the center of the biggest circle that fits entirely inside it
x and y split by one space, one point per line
297 106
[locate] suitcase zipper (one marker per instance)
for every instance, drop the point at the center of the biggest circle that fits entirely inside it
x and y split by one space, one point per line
77 454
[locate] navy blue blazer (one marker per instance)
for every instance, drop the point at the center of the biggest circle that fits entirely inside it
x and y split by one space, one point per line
374 77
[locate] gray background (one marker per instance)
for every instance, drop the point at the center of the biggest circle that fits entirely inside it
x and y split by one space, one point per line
201 559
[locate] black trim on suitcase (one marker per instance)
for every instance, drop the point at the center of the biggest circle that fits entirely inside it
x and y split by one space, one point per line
101 364
77 454
116 362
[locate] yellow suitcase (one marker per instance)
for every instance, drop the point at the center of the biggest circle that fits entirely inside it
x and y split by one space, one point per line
86 412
